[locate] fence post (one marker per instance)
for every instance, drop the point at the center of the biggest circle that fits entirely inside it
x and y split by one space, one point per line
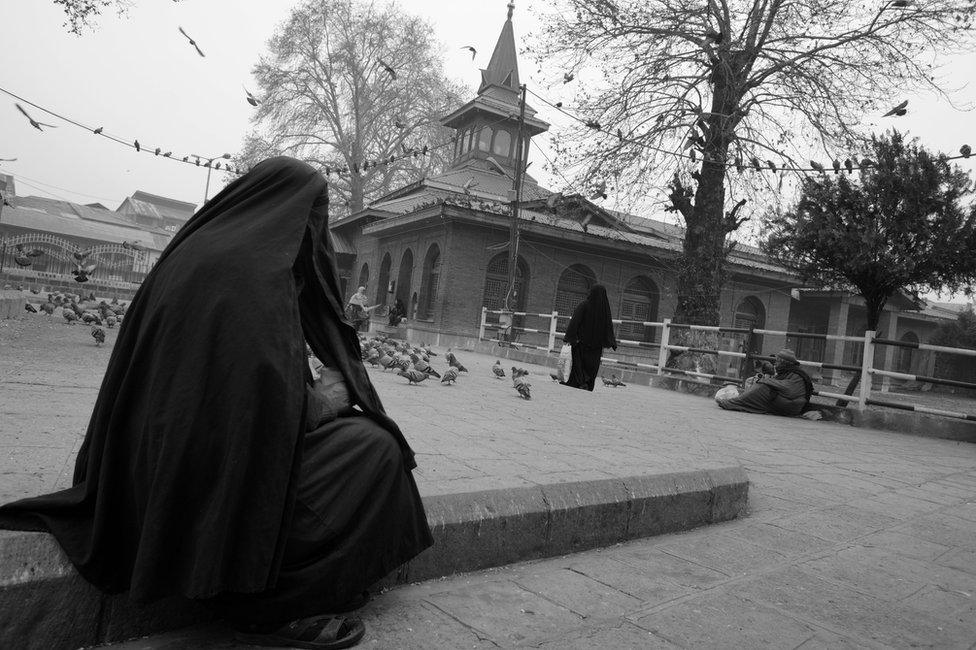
867 362
552 330
662 357
481 327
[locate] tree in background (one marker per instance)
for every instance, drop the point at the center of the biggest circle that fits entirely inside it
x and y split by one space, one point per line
81 13
693 92
347 82
902 225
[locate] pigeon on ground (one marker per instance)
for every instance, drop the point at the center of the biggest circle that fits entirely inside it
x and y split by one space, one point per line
69 316
497 370
424 367
453 361
29 307
450 376
413 376
386 361
522 385
615 381
98 334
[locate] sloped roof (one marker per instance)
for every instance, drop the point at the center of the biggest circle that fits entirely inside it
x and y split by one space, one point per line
159 207
61 218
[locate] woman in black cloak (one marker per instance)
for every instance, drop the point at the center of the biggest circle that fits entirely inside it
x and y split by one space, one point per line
589 331
197 475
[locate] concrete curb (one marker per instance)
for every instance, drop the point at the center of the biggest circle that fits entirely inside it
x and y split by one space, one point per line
44 603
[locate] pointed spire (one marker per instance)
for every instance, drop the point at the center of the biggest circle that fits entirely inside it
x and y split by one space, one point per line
502 69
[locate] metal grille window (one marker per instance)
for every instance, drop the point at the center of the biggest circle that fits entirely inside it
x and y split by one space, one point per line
639 303
751 314
496 282
574 283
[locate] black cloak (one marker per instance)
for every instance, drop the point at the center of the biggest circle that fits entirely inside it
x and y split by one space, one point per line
185 482
591 326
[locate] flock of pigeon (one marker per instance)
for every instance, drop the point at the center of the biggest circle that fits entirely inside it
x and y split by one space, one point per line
75 308
413 363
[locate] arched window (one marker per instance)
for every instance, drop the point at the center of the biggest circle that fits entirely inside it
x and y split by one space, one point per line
384 281
428 285
470 145
503 143
496 283
574 284
751 314
464 141
405 277
363 275
484 138
906 355
639 303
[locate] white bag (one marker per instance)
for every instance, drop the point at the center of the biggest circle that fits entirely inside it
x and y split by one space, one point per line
727 392
565 366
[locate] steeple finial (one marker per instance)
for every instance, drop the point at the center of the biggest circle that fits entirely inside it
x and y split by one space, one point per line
511 9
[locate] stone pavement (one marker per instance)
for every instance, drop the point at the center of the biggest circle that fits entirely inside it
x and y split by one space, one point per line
855 537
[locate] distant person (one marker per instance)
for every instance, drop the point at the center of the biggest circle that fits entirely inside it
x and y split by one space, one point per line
356 310
398 313
785 393
198 475
590 330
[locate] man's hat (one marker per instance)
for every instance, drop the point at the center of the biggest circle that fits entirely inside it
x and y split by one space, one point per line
786 355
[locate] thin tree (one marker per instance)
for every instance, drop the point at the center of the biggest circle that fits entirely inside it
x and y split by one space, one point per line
693 94
906 223
354 86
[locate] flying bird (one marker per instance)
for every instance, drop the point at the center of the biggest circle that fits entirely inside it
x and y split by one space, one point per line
192 42
34 123
898 111
567 77
81 273
388 68
251 99
81 255
474 52
26 257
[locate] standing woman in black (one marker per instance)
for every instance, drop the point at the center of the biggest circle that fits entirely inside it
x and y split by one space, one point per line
589 332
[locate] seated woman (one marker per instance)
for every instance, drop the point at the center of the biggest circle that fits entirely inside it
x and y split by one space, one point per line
214 467
786 393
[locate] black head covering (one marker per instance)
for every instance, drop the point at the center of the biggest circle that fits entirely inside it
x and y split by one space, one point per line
186 478
592 324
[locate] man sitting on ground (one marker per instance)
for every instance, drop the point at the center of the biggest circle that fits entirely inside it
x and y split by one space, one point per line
786 393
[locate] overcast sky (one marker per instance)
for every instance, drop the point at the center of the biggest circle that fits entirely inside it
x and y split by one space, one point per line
137 77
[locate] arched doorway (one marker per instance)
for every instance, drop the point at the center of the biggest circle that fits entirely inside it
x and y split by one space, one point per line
906 356
363 275
751 314
405 277
429 282
574 283
383 285
639 303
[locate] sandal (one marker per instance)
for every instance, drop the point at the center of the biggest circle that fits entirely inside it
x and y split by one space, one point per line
317 632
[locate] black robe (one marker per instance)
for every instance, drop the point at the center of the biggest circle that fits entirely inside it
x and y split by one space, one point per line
186 481
589 331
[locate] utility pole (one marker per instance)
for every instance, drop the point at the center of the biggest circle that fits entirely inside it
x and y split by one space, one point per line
513 242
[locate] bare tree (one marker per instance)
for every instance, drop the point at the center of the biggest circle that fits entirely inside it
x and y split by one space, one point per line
351 85
702 96
81 13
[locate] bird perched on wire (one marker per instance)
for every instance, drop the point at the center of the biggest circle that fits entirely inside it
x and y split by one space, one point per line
497 370
34 123
413 376
450 376
897 111
817 167
474 52
192 42
98 334
26 257
30 308
453 362
251 99
966 151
